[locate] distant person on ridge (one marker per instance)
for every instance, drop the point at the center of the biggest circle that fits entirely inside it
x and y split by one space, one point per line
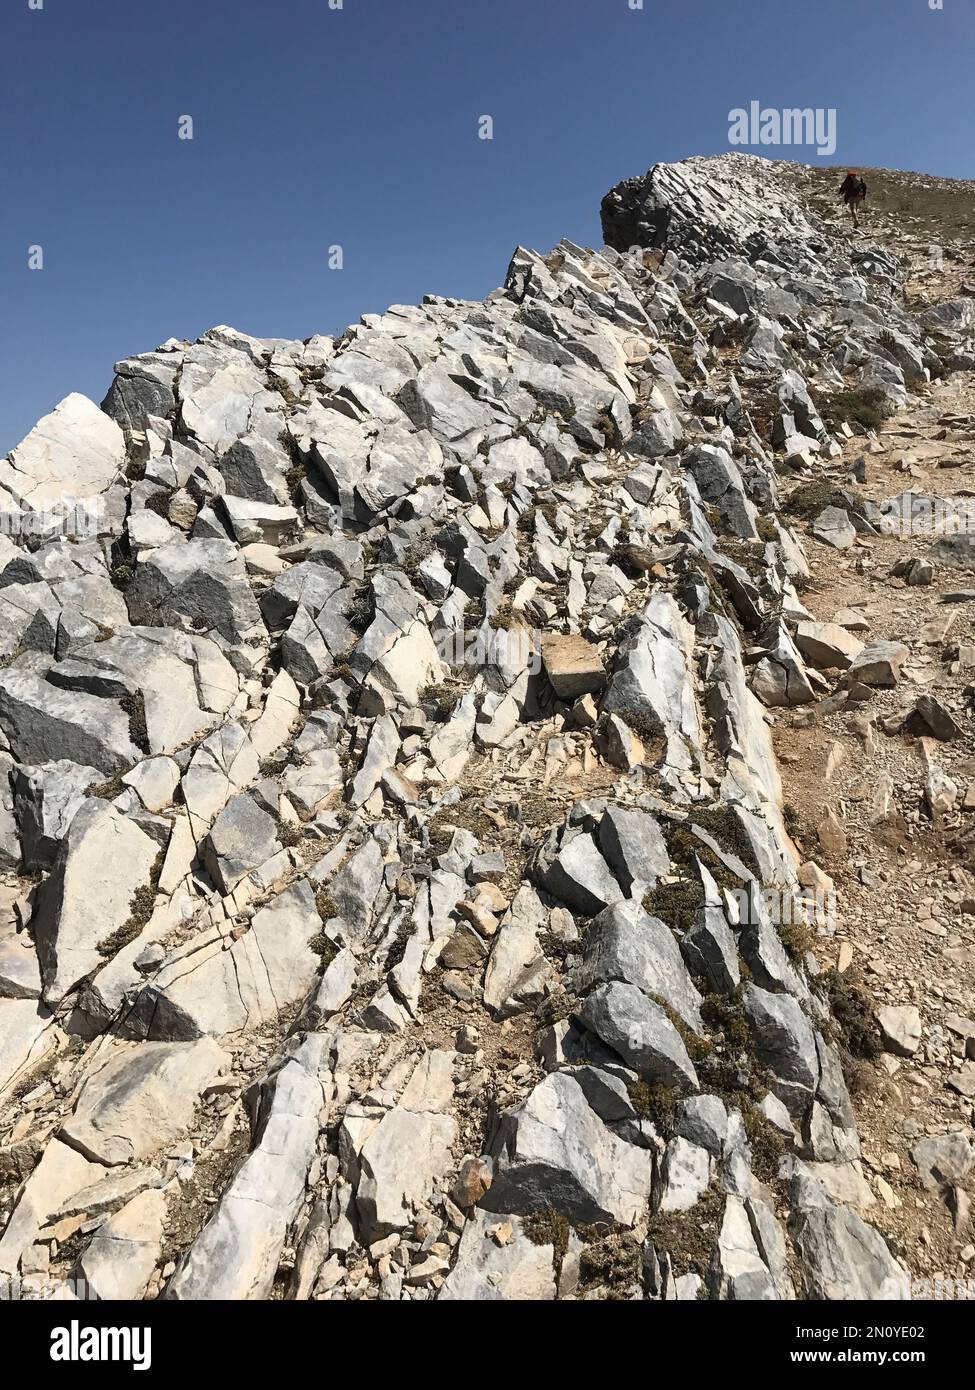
853 191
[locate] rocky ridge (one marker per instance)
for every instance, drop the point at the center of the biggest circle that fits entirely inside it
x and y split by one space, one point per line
350 951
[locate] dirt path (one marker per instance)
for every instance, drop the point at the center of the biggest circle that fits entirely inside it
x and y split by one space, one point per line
905 929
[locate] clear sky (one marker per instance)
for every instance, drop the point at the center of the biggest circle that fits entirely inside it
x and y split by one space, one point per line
358 126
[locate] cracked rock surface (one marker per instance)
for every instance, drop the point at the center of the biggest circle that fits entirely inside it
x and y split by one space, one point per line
394 826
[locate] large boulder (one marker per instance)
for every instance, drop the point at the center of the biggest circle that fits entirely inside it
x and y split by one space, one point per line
29 619
639 1030
515 1269
739 1273
255 467
27 1038
179 684
356 889
104 865
141 1099
434 401
954 316
125 1250
720 484
223 395
553 1152
625 943
408 1151
842 1257
653 683
236 1254
45 723
223 764
75 451
46 799
143 387
242 837
518 973
210 987
198 583
785 1043
633 845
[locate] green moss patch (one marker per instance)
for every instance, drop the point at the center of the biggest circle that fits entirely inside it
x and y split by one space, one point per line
611 1262
689 1237
548 1227
140 910
853 1015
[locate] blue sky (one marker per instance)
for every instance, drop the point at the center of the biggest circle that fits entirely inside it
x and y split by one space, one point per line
358 127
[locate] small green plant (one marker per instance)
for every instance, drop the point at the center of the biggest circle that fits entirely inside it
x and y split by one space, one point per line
809 499
361 611
766 1143
723 1013
324 947
863 406
606 423
158 502
611 1262
326 904
555 1008
647 727
272 767
683 359
109 790
655 1102
722 825
133 704
538 811
548 1227
289 834
282 387
797 938
677 903
853 1013
698 1048
12 657
689 1237
442 698
298 469
140 910
463 815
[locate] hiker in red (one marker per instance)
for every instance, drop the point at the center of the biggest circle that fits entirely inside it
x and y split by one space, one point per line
853 191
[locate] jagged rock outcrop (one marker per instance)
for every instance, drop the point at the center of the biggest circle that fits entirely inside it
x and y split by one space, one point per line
397 762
